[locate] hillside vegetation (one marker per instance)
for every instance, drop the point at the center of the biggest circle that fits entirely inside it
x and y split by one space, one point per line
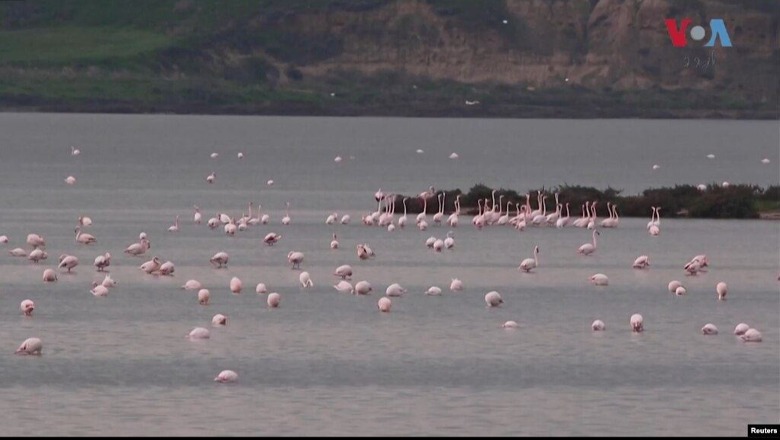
508 58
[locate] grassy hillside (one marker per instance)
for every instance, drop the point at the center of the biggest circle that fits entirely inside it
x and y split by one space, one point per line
341 57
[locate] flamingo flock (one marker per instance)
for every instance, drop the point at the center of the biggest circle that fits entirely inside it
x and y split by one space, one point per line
490 213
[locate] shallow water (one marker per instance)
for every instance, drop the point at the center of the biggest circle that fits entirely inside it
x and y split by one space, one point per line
326 363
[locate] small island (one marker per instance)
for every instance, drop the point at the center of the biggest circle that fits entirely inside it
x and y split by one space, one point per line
713 201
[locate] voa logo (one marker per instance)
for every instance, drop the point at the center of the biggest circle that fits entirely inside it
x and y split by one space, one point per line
678 32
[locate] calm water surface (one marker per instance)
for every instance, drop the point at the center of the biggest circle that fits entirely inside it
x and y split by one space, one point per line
326 363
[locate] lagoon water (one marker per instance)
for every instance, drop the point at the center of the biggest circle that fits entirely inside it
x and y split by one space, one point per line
326 363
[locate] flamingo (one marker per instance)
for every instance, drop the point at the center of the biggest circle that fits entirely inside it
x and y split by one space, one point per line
37 255
673 285
452 220
30 346
70 180
18 252
295 258
440 214
331 218
599 279
641 262
85 221
363 288
273 300
220 259
345 219
722 290
102 262
421 215
84 238
236 285
608 222
395 289
344 271
334 244
3 239
530 263
456 285
637 323
199 333
192 285
384 304
203 296
49 276
271 238
151 266
589 248
510 325
36 241
751 335
74 151
379 195
68 262
261 288
362 253
27 306
593 217
654 227
541 217
210 178
108 281
402 221
433 291
286 219
552 218
598 326
344 286
493 299
583 220
709 329
305 279
167 268
99 289
226 376
504 219
449 242
138 248
218 320
741 328
175 226
438 245
563 221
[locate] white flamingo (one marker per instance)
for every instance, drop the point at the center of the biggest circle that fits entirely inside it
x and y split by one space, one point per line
344 271
334 244
344 286
27 306
273 300
204 296
395 289
305 279
210 178
139 248
175 226
167 268
37 255
68 262
84 238
286 219
589 248
598 326
493 299
599 279
151 266
722 289
363 288
219 320
236 285
30 346
49 276
402 221
295 258
563 221
709 329
102 262
637 323
226 376
530 263
220 259
192 285
271 238
384 304
36 241
196 218
99 289
751 335
456 285
641 262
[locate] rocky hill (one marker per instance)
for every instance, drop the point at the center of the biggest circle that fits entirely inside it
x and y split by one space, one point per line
499 58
